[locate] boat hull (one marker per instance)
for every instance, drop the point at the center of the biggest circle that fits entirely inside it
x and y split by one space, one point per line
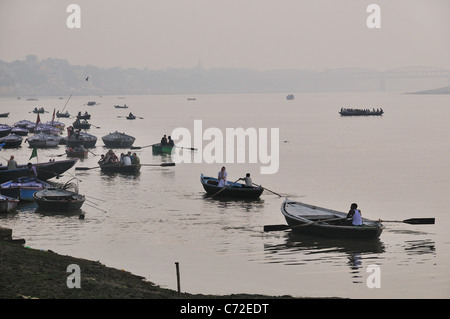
119 168
159 149
44 171
8 204
56 200
369 230
237 190
118 140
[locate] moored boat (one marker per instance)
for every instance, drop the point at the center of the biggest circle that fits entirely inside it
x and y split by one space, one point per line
320 221
162 149
11 141
4 114
58 199
43 140
65 114
5 130
118 140
8 204
238 190
23 188
85 139
19 131
44 171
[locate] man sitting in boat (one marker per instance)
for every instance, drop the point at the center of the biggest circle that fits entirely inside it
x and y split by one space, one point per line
355 215
12 164
247 180
31 170
164 140
170 142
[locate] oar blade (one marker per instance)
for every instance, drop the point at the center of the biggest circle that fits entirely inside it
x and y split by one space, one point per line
420 221
268 228
168 164
82 168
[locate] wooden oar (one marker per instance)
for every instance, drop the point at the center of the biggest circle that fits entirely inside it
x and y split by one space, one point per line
139 147
267 189
224 188
85 168
268 228
414 221
187 148
162 164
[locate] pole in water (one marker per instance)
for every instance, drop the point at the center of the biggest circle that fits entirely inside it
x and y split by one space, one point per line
177 265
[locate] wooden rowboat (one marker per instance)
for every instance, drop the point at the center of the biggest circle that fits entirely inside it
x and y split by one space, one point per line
320 221
58 199
159 149
7 204
120 168
237 190
23 188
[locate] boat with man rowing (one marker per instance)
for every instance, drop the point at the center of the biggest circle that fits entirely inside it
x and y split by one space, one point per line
232 189
321 221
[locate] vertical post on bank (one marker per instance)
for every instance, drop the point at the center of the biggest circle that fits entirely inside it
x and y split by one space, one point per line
177 265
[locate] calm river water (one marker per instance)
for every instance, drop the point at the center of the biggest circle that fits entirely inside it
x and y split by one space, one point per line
395 167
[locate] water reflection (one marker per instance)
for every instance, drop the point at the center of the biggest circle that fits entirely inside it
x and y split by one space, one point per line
248 205
302 249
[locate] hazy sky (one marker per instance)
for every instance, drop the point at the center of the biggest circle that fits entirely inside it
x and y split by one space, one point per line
256 34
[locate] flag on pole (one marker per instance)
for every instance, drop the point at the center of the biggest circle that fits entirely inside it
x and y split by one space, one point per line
34 153
1 146
38 120
53 118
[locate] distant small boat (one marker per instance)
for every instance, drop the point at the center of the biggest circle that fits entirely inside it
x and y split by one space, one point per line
290 97
43 140
85 116
38 110
91 103
8 204
118 140
58 199
81 125
238 190
4 114
23 188
11 141
66 114
131 117
121 106
360 112
161 149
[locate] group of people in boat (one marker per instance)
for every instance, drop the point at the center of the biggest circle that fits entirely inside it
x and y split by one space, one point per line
368 111
125 159
167 141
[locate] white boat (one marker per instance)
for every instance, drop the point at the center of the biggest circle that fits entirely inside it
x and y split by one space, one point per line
7 204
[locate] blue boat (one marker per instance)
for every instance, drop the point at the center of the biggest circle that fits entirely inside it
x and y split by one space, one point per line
23 188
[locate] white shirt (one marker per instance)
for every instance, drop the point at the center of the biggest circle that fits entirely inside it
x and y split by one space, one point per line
222 182
357 221
126 160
